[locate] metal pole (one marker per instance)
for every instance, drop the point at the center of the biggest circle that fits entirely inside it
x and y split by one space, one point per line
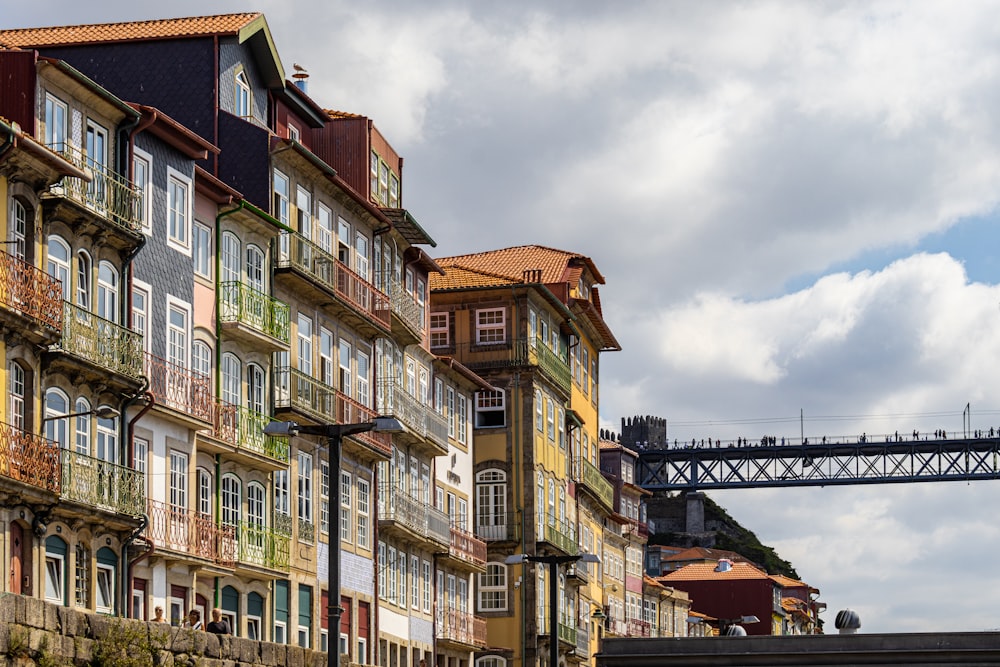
553 612
334 610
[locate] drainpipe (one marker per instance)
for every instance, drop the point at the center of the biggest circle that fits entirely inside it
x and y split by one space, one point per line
125 571
125 580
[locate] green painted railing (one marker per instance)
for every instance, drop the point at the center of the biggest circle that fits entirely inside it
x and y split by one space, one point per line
559 536
101 341
241 304
244 428
567 633
551 365
92 481
263 546
592 478
298 391
113 197
520 352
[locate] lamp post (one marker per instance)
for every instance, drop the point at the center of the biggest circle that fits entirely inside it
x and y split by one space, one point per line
334 434
553 562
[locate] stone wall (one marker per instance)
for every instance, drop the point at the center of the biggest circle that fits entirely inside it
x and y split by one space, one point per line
34 632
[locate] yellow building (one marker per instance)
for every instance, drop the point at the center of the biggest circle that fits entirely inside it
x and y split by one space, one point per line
528 320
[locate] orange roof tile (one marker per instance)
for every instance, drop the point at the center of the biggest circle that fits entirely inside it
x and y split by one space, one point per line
513 262
788 582
456 277
706 572
333 113
695 553
192 26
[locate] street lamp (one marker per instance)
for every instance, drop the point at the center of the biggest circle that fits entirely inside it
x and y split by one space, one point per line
103 412
553 562
334 434
730 626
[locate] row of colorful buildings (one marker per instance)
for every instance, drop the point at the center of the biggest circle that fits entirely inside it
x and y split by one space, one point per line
194 248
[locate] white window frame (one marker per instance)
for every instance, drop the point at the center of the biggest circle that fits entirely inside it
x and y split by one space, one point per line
104 602
491 326
346 532
493 588
364 512
488 403
439 332
242 95
145 186
55 578
179 235
177 306
201 249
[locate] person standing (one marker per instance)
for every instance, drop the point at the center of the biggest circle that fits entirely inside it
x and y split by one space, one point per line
219 625
158 617
194 620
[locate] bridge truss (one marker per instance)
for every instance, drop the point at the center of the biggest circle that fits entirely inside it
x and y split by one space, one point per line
754 466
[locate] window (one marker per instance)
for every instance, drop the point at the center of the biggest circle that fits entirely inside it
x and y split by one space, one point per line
450 394
345 506
57 264
439 331
242 103
55 123
539 411
256 278
82 420
491 326
16 390
493 588
231 500
202 250
415 582
305 487
491 513
281 492
393 191
201 358
426 578
231 258
304 334
55 570
141 171
105 586
373 174
345 367
177 334
491 661
364 500
381 570
56 403
107 292
232 378
550 418
490 409
206 494
391 573
561 427
401 575
178 211
383 183
364 388
178 480
140 310
83 277
324 497
282 194
462 412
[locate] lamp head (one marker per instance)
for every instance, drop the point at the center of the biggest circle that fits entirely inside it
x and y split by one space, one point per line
281 428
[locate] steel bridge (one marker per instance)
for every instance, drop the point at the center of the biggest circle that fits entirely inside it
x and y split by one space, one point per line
781 463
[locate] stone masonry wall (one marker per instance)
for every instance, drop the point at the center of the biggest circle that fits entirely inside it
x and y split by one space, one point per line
34 632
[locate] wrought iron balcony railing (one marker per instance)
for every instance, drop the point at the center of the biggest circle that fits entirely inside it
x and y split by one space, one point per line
637 628
467 547
510 354
560 535
29 458
179 388
183 530
494 527
405 306
298 391
241 304
101 341
350 411
30 291
583 641
262 546
244 428
461 627
93 481
301 254
113 197
396 505
567 633
418 418
590 475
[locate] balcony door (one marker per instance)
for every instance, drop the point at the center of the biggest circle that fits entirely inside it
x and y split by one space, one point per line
97 160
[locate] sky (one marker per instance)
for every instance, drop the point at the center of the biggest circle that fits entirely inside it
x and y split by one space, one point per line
794 206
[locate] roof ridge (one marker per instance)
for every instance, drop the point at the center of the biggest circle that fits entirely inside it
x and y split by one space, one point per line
106 32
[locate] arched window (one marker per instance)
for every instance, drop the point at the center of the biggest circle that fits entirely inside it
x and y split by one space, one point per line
255 616
256 388
232 378
201 358
107 291
493 588
540 507
107 439
17 390
55 569
57 265
230 257
231 499
491 661
255 268
83 274
56 403
491 508
256 504
107 562
230 606
82 421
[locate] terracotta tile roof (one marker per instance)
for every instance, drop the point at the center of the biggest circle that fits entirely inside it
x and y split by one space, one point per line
456 277
695 553
514 262
192 26
788 582
706 572
333 113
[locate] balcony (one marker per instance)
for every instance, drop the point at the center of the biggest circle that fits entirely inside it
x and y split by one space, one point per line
615 627
582 649
261 546
590 478
350 411
520 352
637 628
640 528
560 536
424 426
239 432
578 572
496 528
108 206
98 483
461 627
29 458
309 268
30 300
397 509
187 393
253 316
186 533
407 315
567 633
465 549
302 393
102 343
